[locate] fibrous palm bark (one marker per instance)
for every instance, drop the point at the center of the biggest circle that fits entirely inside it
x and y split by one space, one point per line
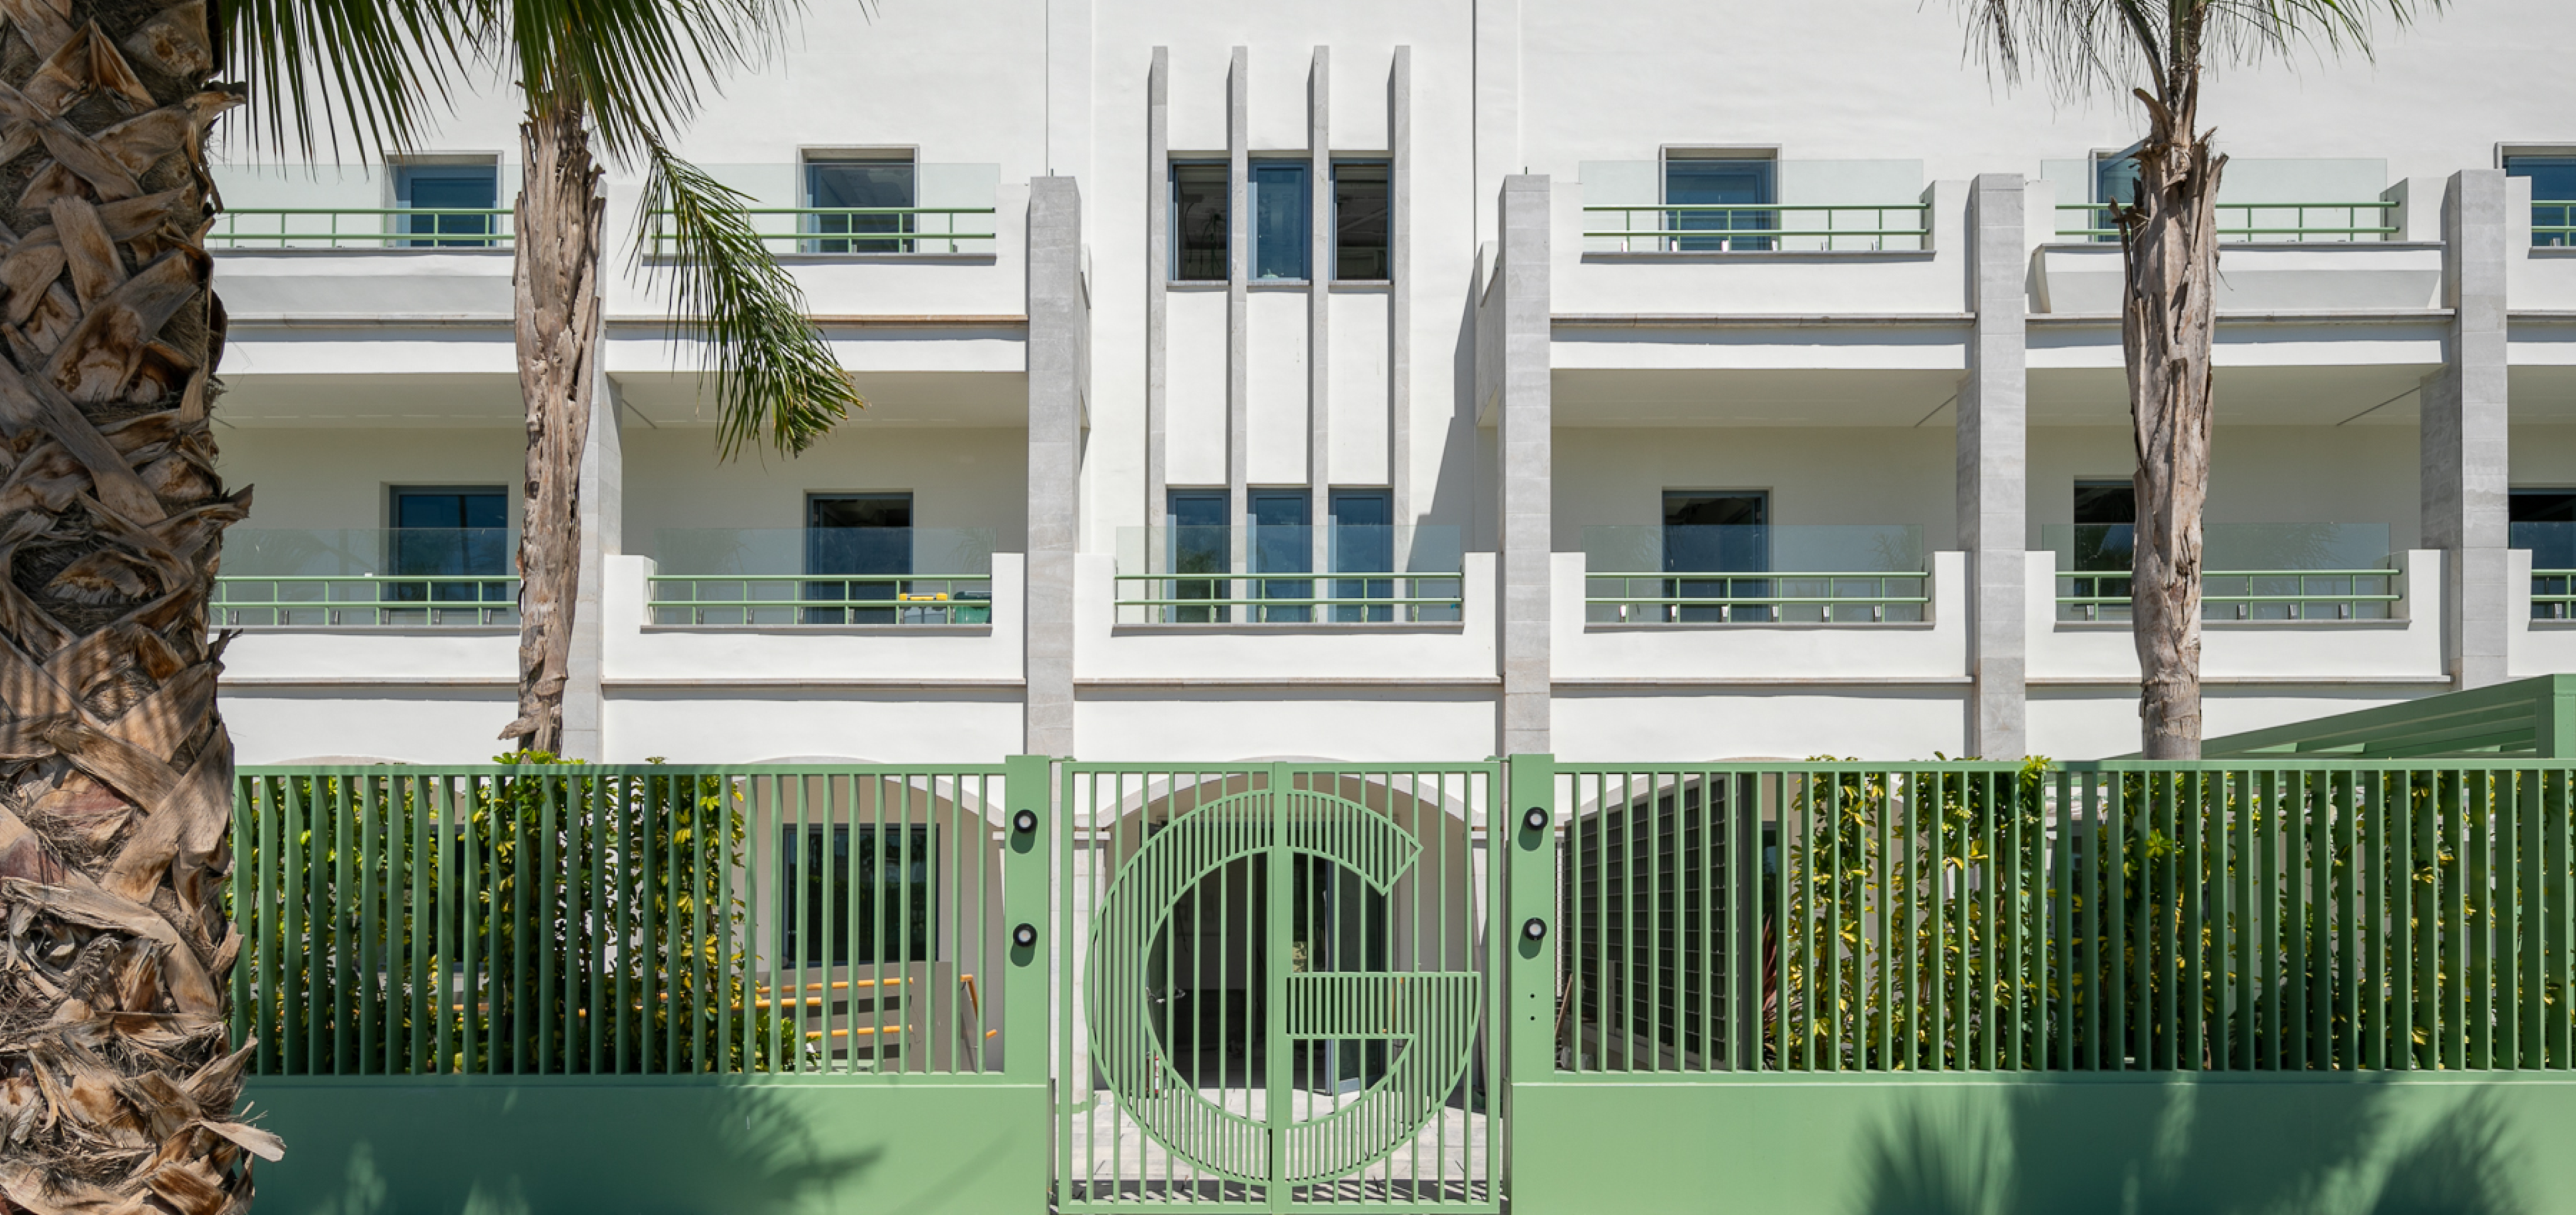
2169 238
117 1083
561 215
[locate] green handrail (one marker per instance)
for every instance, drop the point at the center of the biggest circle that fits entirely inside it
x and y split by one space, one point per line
478 228
1734 234
1759 598
2092 594
738 600
2098 228
908 235
2553 594
2559 228
363 600
1213 598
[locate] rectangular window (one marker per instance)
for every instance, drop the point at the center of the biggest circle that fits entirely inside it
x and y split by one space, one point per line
2553 196
1282 223
1718 533
1282 541
885 915
1360 221
2115 181
2544 522
861 201
1199 222
1363 542
447 205
1200 540
1721 193
444 538
866 539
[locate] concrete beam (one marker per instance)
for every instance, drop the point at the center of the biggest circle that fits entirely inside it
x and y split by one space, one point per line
2465 475
1994 481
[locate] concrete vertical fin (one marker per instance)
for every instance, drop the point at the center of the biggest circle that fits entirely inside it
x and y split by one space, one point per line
1525 484
1059 312
1993 476
2465 474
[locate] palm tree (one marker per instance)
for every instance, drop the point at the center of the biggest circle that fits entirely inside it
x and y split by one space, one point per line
2169 251
117 1079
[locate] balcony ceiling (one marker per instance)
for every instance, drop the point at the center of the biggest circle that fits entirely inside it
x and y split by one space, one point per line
1755 397
2377 395
895 398
417 399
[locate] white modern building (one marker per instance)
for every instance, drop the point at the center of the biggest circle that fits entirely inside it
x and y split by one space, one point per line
1430 380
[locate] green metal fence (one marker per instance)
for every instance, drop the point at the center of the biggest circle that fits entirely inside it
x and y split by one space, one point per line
1710 228
1303 598
543 920
2553 223
1796 918
2553 594
2256 222
1764 598
364 600
361 228
839 599
2346 594
847 230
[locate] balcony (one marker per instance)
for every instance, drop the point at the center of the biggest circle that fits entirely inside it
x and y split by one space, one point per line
2289 572
1255 576
2257 222
1767 575
822 577
953 215
367 579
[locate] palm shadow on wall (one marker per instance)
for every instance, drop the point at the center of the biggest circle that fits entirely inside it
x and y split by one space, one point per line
2277 1146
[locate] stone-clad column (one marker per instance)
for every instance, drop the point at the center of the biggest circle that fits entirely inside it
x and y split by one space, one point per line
2464 473
603 509
1994 480
1059 381
1526 481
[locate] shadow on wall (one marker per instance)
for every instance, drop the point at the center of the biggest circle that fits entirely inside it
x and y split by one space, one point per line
2185 1147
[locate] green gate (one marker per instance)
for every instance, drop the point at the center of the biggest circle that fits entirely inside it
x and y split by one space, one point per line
1277 988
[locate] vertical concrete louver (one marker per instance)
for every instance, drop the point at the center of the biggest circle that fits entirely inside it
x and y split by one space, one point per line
603 511
1526 485
2464 432
1059 383
1994 492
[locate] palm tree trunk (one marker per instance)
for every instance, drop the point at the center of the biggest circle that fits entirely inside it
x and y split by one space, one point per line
117 1081
2169 242
561 215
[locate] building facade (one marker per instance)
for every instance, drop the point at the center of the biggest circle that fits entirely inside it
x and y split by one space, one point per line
1433 381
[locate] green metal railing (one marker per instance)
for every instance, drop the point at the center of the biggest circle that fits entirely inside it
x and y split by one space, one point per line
2334 222
2553 223
363 601
2240 916
839 599
853 229
1301 598
1709 228
361 228
1765 598
2553 594
545 920
2350 594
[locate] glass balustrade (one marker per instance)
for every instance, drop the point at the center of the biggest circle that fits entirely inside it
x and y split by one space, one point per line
747 577
1289 575
2249 571
1774 574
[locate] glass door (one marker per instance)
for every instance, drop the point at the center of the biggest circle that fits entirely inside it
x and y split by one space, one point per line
1718 533
866 539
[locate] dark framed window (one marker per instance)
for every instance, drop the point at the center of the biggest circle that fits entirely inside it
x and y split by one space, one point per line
2115 181
861 202
1199 536
1361 211
1199 213
1725 194
1721 532
1282 220
867 540
1363 542
858 895
2553 196
446 537
447 205
1283 542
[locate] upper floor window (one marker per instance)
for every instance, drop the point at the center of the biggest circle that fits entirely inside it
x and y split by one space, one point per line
862 202
447 204
1360 221
1282 223
1199 221
2553 195
1722 190
450 544
864 539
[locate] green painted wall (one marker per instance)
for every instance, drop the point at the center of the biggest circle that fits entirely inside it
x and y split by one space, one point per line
2145 1145
495 1146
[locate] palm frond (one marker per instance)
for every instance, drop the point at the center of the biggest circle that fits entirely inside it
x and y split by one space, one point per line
639 68
2081 47
775 378
320 70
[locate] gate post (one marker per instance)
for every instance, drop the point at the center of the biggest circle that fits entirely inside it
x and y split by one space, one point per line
1027 782
1530 871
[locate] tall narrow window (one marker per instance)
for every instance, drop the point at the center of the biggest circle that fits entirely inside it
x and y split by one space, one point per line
1363 542
861 202
1282 227
1199 541
1282 541
2553 196
446 540
447 205
865 541
1718 533
1199 222
2544 522
1714 193
1360 221
2115 182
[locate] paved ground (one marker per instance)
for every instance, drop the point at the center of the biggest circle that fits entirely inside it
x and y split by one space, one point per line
1445 1162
